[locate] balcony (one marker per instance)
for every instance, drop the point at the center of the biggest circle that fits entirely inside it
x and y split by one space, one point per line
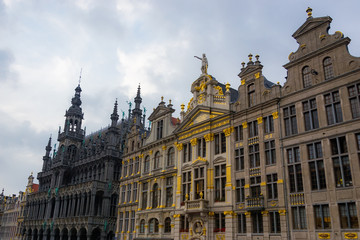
297 199
255 203
198 205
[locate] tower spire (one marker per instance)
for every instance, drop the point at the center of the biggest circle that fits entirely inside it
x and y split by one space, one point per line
137 112
114 116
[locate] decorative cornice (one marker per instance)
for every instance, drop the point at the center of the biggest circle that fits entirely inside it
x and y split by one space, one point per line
228 131
193 142
209 137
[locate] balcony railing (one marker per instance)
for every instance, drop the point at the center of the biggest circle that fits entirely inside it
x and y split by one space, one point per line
297 199
255 203
198 205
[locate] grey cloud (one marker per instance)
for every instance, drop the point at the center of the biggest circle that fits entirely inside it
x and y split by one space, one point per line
6 60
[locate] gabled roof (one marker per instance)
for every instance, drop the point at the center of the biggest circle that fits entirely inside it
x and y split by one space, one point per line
310 24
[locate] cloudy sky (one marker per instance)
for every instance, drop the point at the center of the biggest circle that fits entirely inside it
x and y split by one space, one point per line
121 43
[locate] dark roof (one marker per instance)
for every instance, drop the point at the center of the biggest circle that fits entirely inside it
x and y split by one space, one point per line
233 93
267 83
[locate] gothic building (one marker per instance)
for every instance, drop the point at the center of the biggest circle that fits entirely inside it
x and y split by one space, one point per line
263 161
79 183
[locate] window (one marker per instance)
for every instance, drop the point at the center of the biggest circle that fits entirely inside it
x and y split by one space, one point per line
153 225
354 99
328 68
322 216
121 221
186 185
167 228
219 222
125 169
275 222
142 226
184 224
270 153
290 120
241 223
157 160
136 168
155 196
310 114
187 152
144 196
159 129
199 182
239 159
294 168
113 206
268 124
333 108
128 193
220 181
341 162
299 217
130 167
271 186
253 129
358 144
147 164
132 224
134 197
257 222
239 135
254 156
201 148
169 191
316 166
126 228
220 143
240 190
251 95
170 157
348 215
255 189
123 192
306 75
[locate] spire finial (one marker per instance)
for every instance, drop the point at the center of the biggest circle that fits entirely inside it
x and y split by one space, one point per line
309 12
250 57
162 98
80 76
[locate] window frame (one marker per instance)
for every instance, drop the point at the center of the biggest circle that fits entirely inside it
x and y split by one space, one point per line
310 114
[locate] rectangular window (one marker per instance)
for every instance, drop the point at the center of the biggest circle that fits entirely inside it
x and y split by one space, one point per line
219 222
121 217
354 99
254 156
316 166
123 192
186 185
341 163
270 153
333 108
239 159
187 152
128 193
169 191
125 169
134 197
126 228
240 190
290 120
132 225
253 129
220 143
136 168
257 222
201 147
271 185
241 223
294 170
299 217
310 114
268 124
144 196
348 215
255 188
184 224
275 226
199 182
159 132
220 181
239 135
322 216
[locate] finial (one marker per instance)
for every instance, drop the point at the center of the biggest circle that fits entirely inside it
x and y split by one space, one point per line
169 101
243 64
182 107
250 57
162 98
309 12
32 173
80 76
227 85
257 57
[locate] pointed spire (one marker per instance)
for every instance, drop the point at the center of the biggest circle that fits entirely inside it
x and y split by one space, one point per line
48 147
114 116
137 112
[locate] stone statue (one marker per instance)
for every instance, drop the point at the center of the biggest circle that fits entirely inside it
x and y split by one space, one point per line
204 63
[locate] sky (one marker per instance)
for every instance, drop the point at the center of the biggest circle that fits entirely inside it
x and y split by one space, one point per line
120 44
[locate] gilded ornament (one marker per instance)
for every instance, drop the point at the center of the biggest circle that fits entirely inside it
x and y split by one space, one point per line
193 141
244 124
259 120
275 115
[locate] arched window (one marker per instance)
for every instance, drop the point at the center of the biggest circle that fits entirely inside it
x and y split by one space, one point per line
153 225
306 75
155 196
147 164
167 227
251 95
142 226
170 157
157 160
328 68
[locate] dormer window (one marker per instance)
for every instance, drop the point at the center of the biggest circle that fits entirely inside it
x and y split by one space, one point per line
251 94
159 129
328 68
306 75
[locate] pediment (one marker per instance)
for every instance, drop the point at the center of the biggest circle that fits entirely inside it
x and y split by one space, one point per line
159 112
219 159
199 161
311 24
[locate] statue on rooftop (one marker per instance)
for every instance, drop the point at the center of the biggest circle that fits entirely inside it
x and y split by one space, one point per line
204 63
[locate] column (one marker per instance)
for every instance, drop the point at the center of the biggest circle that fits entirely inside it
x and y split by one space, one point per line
92 205
228 185
80 204
56 210
163 165
149 195
209 183
177 197
176 229
140 188
266 224
230 226
162 202
194 154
